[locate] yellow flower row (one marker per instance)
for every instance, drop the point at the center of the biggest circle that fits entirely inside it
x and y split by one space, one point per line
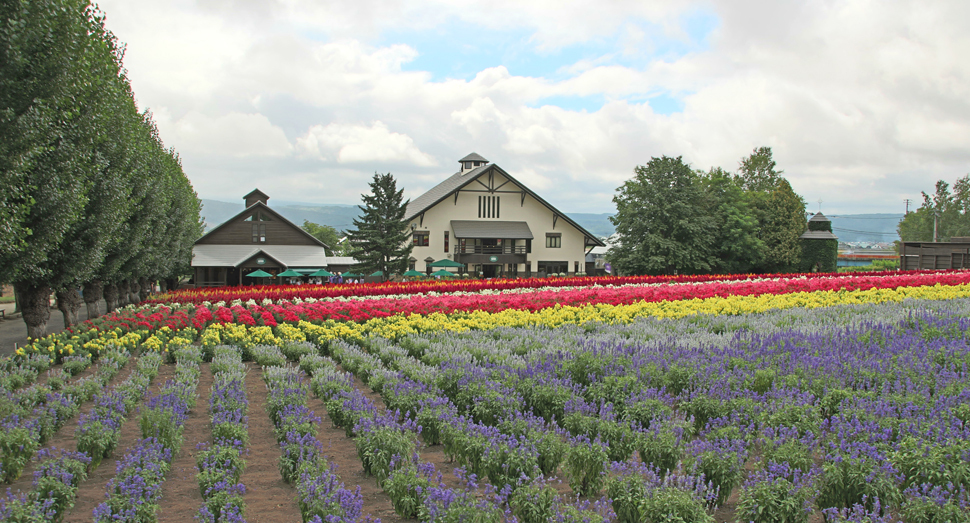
398 326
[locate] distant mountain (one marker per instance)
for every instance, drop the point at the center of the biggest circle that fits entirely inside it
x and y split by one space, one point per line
598 224
340 217
865 227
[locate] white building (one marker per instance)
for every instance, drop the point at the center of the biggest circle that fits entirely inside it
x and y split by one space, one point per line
487 220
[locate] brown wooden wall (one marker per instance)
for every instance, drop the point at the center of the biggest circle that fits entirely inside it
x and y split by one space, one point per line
238 232
934 256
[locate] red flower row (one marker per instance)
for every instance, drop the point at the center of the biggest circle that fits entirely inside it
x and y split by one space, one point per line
290 292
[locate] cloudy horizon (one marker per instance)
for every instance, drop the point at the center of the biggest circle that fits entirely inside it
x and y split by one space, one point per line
863 103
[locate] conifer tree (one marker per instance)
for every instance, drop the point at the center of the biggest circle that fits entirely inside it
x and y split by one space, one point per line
380 240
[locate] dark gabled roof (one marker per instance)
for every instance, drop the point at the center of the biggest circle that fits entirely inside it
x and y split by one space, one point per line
459 180
819 217
491 229
257 192
473 157
265 207
818 235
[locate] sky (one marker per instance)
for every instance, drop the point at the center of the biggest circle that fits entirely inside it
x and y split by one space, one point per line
865 103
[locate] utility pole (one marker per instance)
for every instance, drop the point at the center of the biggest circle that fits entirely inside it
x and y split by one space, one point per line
907 200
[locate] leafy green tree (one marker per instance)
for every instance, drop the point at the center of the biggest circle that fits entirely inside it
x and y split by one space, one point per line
663 221
757 171
325 233
381 240
48 99
950 211
737 247
782 228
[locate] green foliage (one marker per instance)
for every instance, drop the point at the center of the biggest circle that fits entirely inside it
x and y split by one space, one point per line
738 247
586 466
533 503
407 487
775 501
669 504
948 209
326 234
378 447
856 480
17 446
662 217
381 239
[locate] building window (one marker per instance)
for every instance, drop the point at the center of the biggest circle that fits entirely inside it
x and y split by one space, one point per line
553 240
446 241
422 239
552 267
488 206
259 233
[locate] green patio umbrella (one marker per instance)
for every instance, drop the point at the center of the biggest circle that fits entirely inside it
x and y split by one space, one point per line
289 273
259 274
378 273
323 272
349 274
443 272
412 273
446 263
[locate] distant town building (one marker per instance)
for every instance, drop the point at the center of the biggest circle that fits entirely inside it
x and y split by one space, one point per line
485 219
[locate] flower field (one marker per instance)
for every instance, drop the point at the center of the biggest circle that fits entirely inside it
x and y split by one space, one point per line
784 398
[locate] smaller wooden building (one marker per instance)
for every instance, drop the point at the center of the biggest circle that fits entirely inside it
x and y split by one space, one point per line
954 254
258 238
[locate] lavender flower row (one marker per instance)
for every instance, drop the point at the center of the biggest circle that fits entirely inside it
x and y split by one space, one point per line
133 494
221 464
37 413
321 496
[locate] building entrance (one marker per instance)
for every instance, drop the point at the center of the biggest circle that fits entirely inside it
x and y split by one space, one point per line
491 271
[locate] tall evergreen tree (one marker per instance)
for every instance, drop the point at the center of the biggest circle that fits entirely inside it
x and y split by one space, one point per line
663 221
381 240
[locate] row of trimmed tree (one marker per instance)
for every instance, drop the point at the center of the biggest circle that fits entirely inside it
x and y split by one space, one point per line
91 198
673 219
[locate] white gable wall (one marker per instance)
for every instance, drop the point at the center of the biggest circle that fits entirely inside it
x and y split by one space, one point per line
437 220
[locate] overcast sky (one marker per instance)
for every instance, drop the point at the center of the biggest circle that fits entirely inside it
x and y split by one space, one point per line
864 102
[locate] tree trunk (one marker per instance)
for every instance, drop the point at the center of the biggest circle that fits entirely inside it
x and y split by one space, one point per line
16 299
134 297
93 292
69 303
35 303
163 286
173 284
123 296
146 288
111 297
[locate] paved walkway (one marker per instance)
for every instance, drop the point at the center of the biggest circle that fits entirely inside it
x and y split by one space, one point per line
13 330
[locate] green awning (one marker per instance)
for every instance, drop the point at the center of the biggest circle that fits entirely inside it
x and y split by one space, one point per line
378 273
349 274
288 273
259 274
413 273
443 272
446 263
322 272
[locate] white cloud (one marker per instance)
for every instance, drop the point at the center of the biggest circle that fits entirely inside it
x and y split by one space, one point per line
348 144
232 134
861 101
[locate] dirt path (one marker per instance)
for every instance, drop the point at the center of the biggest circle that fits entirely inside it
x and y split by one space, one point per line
181 498
268 498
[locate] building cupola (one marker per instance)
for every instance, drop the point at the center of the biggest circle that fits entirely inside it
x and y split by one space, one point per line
255 196
471 162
